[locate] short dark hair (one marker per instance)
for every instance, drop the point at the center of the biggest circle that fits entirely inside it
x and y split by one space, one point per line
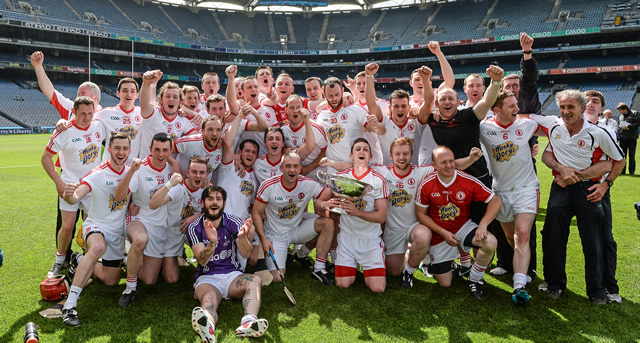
398 94
360 140
332 82
213 189
250 141
83 100
128 80
211 118
500 99
596 94
162 137
273 129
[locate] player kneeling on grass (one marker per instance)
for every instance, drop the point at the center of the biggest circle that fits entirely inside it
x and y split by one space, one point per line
103 231
443 205
359 241
215 238
284 198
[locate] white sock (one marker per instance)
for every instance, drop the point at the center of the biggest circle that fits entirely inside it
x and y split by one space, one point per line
409 268
519 280
72 299
60 258
303 251
132 282
248 318
477 271
320 264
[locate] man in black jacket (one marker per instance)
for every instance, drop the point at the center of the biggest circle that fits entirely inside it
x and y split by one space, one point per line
628 135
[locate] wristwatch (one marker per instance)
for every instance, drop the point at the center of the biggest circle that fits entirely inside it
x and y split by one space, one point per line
609 182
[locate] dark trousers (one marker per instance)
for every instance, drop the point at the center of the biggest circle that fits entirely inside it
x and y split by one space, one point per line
59 226
564 204
504 251
610 248
629 148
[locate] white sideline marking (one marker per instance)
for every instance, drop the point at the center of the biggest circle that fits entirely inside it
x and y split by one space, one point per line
29 165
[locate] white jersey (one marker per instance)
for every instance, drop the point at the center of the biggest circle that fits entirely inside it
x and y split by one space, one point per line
412 129
157 122
295 139
116 119
401 203
184 203
582 149
509 154
79 149
270 116
105 211
241 191
237 139
263 169
144 183
64 105
377 153
354 226
189 146
342 128
285 207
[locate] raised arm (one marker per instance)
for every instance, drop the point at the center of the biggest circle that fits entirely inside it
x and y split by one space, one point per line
370 90
227 141
427 95
445 67
232 97
122 189
466 162
161 196
491 94
242 242
74 192
310 138
147 92
528 98
37 59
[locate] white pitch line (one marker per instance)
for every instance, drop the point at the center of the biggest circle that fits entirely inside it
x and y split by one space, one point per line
29 165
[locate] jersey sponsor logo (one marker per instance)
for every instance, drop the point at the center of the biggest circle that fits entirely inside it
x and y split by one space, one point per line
460 195
209 168
335 134
88 155
262 170
223 255
247 188
288 211
130 131
448 212
399 198
491 133
187 211
76 139
360 204
503 152
117 205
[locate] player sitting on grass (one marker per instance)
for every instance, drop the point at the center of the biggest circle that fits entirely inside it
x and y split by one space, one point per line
215 238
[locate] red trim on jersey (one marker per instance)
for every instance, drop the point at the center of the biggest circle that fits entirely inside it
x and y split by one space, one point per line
113 170
72 122
249 170
270 181
362 104
260 200
353 173
406 121
186 185
393 168
165 115
495 120
64 114
204 98
85 183
344 271
374 272
51 151
285 187
339 108
321 191
266 158
147 162
123 110
298 129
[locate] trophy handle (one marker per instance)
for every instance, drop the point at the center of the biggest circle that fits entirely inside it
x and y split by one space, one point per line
323 177
373 191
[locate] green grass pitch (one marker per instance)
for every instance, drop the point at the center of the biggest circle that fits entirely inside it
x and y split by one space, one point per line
426 312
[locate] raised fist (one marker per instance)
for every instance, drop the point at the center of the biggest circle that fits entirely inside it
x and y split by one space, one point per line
495 73
135 164
152 76
231 71
434 47
371 68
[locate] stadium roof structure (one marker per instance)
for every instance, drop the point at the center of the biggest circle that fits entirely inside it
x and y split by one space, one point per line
291 6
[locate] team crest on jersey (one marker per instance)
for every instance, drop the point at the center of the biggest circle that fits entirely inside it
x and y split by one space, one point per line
360 204
187 211
399 198
117 205
460 195
129 131
504 151
412 127
581 143
335 134
247 188
519 132
411 181
288 211
448 212
88 155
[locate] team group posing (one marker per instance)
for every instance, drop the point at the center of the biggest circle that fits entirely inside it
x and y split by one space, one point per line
233 176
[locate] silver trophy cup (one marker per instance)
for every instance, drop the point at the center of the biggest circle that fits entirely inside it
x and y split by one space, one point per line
346 188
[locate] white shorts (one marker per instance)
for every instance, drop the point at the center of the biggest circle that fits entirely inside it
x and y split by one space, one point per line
443 252
220 281
365 251
113 242
304 233
396 241
521 202
84 204
174 245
